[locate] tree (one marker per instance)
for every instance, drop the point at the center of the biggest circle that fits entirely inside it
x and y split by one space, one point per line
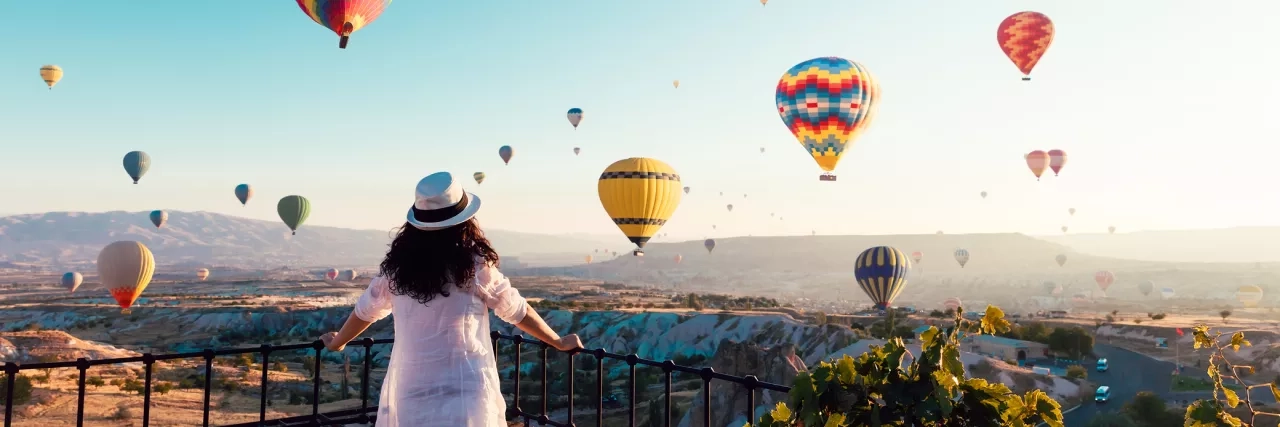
937 314
1149 410
1111 419
1077 371
1074 342
820 318
95 382
1213 411
1225 314
162 387
21 390
279 366
931 391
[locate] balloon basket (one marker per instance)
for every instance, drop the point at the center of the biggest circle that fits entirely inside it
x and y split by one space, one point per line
126 311
637 252
827 177
342 42
1026 79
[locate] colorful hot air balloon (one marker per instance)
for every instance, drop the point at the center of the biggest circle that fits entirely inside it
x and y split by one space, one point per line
331 274
639 194
136 163
709 244
244 192
730 208
577 150
983 194
962 257
505 153
686 190
343 16
917 256
827 103
1249 295
679 258
350 275
72 280
1111 229
575 117
125 269
1166 293
293 210
50 74
1146 287
675 83
589 259
479 176
1057 159
1037 161
763 2
952 303
202 273
1061 259
1104 279
1071 211
159 218
1024 37
882 271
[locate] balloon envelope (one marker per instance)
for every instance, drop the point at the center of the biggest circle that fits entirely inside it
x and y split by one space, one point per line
1061 259
159 218
125 269
951 303
72 280
202 273
640 195
293 210
576 150
917 256
709 244
1057 159
962 257
343 17
479 177
1249 295
505 152
827 103
679 258
588 259
244 192
136 164
51 74
1104 279
331 274
1146 287
1037 161
881 271
575 117
1024 37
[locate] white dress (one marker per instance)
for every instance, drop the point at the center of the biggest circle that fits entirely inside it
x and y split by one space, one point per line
442 371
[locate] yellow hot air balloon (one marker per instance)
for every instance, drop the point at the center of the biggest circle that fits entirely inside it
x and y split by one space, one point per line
675 83
51 74
1249 295
125 269
639 194
589 259
202 273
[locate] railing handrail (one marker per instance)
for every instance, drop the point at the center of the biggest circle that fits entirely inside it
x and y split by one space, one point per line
367 414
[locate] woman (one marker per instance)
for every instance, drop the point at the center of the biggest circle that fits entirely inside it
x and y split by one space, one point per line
440 278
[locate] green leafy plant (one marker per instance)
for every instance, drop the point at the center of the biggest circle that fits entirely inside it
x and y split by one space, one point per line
1216 411
875 389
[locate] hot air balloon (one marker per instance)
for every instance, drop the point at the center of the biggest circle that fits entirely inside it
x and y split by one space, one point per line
244 192
1064 229
293 210
1051 288
72 280
881 271
939 232
679 258
577 150
917 256
713 226
730 208
952 303
744 196
1104 279
505 153
709 244
136 163
51 74
159 218
762 149
983 194
962 257
1037 161
770 214
1249 295
575 117
202 273
1111 229
827 103
675 83
350 275
1071 211
721 193
686 190
763 2
1061 259
125 268
589 259
331 274
639 194
1057 159
1024 37
479 176
1146 287
1166 293
343 16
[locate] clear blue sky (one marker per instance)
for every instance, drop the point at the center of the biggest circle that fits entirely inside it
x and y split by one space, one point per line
1166 108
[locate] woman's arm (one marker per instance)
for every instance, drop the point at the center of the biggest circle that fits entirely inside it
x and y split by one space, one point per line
533 324
337 341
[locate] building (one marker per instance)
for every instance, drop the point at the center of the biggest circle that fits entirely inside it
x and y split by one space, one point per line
1005 348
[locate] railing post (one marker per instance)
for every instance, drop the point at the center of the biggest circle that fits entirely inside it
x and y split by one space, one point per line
572 373
707 373
11 378
148 363
515 399
315 385
751 383
545 398
599 353
631 417
262 401
208 382
667 367
82 365
364 378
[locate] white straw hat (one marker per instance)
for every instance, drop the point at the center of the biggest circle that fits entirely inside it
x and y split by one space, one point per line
439 203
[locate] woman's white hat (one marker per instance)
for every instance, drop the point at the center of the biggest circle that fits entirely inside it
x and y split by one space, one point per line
439 203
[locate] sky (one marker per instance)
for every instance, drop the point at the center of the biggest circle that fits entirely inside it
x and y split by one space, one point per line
1165 108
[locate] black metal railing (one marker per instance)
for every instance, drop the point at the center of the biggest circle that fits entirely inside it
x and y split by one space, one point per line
367 414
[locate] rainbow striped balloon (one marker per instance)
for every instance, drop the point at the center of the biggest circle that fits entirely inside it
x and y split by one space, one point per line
826 103
343 16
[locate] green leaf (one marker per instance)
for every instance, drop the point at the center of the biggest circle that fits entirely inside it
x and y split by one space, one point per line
836 420
781 412
845 372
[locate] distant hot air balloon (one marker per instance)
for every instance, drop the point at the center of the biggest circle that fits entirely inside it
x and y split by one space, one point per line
762 149
589 259
917 256
202 273
577 150
952 303
709 244
713 226
962 257
640 195
744 196
1111 229
72 280
125 269
51 74
331 274
343 16
136 163
686 190
293 210
722 193
1249 295
770 214
1037 161
679 258
505 153
350 275
1051 288
1104 279
827 103
763 2
1071 211
1166 293
983 194
244 192
1024 37
730 208
675 83
479 176
1061 259
159 218
1146 287
939 232
1057 159
1064 229
881 271
575 117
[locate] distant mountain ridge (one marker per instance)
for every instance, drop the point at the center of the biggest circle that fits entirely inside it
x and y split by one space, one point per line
1235 244
69 238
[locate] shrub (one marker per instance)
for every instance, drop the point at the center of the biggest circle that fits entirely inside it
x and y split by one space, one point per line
279 366
22 387
1077 372
163 387
122 413
95 382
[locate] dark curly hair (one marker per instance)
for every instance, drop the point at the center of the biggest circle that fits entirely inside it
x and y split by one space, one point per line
423 264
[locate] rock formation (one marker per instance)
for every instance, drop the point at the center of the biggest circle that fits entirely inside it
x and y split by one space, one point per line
778 365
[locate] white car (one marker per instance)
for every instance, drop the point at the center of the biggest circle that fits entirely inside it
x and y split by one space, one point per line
1102 365
1102 395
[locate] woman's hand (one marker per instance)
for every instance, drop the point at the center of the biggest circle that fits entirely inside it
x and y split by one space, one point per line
568 343
331 343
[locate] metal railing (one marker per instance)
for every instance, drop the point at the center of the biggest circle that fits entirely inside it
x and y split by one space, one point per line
367 414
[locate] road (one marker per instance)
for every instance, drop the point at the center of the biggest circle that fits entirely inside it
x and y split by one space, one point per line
1129 373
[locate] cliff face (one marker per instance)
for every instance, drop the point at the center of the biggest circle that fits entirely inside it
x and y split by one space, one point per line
778 365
